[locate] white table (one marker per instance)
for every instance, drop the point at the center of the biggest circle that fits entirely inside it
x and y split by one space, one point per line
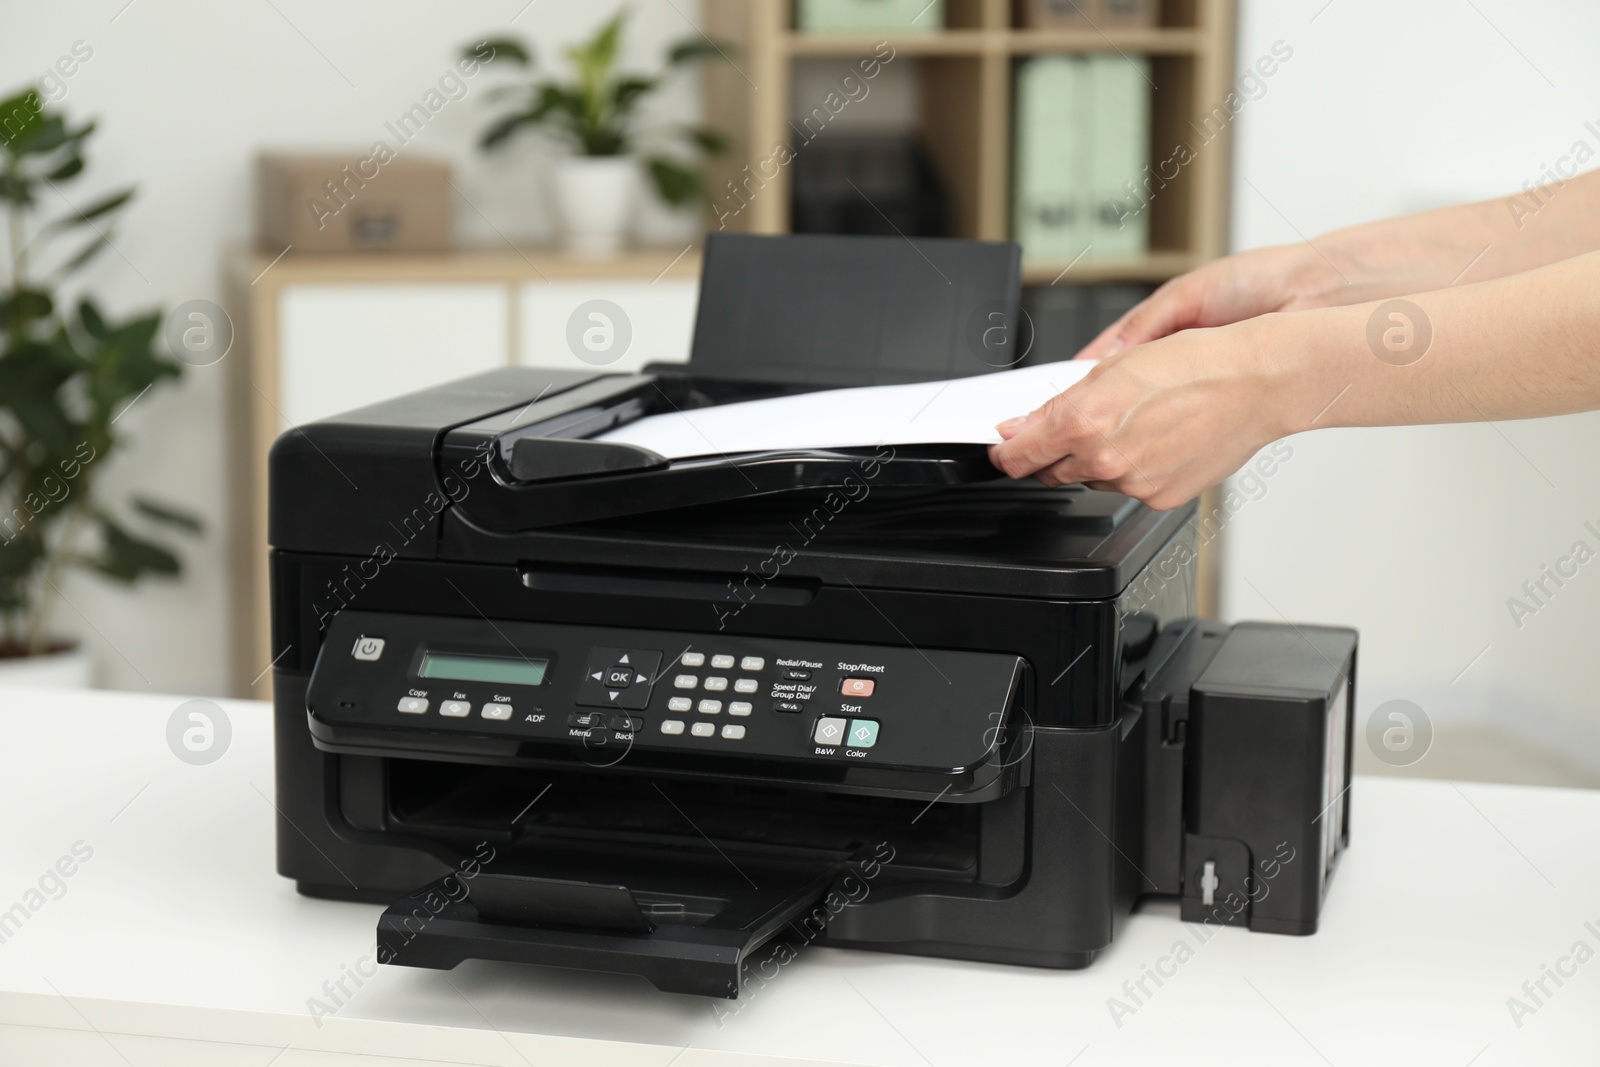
176 942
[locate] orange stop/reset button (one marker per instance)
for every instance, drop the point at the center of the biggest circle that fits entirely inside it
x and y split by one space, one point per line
857 687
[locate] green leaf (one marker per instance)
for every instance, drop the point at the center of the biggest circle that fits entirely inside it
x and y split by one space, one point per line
127 365
503 48
16 189
554 104
127 558
554 99
711 141
603 49
94 324
606 141
594 60
696 49
171 516
103 206
501 130
677 184
47 135
628 91
83 255
24 306
20 115
69 168
18 554
31 376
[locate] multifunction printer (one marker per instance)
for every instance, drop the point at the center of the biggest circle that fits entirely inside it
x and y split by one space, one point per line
568 702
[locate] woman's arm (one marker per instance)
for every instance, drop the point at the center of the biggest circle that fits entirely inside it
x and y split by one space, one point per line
1168 419
1393 257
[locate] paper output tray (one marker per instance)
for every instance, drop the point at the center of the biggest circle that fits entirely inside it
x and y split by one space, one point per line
688 931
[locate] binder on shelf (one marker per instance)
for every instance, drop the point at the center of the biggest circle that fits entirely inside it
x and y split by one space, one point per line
1052 169
1126 14
860 16
1065 318
1118 147
1089 14
1082 141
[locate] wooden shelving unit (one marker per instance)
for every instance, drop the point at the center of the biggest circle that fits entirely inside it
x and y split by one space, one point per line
966 73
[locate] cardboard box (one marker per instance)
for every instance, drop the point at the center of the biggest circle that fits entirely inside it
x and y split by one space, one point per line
1086 14
355 203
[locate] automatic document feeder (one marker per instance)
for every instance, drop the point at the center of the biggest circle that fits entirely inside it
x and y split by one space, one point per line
574 704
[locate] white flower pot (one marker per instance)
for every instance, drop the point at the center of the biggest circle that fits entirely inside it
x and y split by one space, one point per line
67 669
595 201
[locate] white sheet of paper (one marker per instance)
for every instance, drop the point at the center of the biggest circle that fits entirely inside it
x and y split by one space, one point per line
955 411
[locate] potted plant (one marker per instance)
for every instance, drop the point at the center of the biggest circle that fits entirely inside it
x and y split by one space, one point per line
65 379
595 112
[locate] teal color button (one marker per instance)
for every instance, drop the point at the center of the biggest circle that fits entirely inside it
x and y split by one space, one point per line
863 733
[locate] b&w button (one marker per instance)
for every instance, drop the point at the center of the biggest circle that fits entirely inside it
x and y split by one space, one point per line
829 731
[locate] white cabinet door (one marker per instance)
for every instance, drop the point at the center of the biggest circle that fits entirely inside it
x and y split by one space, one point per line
606 325
342 346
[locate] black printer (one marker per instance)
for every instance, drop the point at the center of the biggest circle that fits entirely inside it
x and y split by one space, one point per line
567 702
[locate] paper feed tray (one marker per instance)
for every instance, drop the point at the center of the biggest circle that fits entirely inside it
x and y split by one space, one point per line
547 470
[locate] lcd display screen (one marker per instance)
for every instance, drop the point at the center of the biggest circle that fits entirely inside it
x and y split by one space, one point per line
502 670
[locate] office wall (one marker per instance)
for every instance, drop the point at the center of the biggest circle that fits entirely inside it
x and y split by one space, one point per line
186 91
1421 536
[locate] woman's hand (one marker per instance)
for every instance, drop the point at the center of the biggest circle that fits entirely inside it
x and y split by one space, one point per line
1163 421
1222 292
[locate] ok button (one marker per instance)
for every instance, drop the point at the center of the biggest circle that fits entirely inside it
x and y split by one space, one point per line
618 677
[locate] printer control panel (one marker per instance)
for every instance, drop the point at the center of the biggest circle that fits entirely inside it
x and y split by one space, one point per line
611 690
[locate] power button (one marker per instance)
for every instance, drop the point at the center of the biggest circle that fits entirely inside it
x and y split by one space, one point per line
367 648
